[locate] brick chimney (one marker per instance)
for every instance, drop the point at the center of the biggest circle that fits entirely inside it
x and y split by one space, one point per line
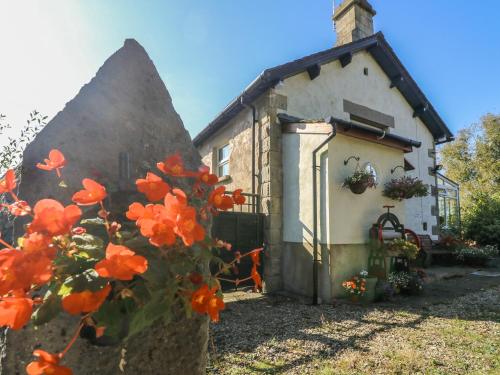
353 20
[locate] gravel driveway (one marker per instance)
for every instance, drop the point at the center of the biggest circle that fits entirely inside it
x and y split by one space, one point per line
453 329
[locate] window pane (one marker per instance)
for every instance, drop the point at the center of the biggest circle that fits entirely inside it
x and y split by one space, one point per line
223 170
224 153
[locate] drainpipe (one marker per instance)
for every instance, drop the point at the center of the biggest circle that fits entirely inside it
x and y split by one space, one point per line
254 120
315 212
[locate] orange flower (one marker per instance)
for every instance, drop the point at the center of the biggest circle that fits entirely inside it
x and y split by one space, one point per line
206 177
174 166
135 211
238 198
188 228
184 217
15 312
204 301
92 194
153 187
86 301
37 242
8 183
218 200
121 263
55 161
52 218
158 228
47 363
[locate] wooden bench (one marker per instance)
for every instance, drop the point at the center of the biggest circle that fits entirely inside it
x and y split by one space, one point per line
428 249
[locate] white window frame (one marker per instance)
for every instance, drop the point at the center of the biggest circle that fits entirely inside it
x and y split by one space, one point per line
223 162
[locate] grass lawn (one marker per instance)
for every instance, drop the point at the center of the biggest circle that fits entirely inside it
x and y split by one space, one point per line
452 334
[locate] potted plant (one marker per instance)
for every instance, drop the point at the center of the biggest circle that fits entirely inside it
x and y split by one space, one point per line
361 286
359 181
405 188
401 247
409 283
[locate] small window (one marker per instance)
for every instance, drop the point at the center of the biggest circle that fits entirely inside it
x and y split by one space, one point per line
369 167
223 161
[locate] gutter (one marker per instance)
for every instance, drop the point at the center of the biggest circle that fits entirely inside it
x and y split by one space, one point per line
315 213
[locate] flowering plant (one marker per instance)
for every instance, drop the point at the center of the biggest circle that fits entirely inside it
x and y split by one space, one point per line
403 247
409 283
405 188
132 275
476 255
359 181
357 284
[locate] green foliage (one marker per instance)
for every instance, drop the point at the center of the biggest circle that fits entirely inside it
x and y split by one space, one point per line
473 161
11 152
481 219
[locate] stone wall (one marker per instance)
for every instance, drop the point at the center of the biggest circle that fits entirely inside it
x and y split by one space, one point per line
238 134
125 108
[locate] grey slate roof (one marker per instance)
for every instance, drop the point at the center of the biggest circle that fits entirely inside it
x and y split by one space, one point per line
380 50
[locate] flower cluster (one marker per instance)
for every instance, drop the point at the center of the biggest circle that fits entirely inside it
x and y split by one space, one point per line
360 177
407 282
357 284
485 252
401 247
405 188
96 278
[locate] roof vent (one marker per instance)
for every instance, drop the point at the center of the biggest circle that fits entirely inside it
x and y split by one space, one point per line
353 20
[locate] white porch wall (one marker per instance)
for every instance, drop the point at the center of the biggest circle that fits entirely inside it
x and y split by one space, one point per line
323 97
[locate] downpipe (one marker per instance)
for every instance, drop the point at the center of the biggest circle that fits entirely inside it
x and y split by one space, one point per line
315 213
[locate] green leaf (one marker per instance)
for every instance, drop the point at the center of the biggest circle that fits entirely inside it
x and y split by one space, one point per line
156 308
87 280
89 244
48 310
113 316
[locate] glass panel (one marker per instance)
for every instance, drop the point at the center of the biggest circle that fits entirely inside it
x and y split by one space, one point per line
223 170
223 153
371 169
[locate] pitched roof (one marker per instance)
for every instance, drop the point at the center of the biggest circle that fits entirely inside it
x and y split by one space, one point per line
380 50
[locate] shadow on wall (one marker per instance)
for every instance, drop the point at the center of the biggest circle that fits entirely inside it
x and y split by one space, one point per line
297 259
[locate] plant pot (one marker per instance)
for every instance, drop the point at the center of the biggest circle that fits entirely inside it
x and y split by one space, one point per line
358 188
355 298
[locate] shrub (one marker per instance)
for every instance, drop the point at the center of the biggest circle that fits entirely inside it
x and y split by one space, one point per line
476 255
481 221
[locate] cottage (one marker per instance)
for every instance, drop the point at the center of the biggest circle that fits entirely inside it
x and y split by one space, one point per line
299 129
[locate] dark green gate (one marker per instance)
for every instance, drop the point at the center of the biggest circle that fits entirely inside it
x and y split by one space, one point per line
245 232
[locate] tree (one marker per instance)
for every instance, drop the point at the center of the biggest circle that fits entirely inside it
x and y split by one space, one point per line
473 160
11 153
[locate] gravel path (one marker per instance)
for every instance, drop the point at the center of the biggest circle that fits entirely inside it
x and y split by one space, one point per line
453 329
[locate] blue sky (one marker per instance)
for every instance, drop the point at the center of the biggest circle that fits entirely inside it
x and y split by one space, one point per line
207 51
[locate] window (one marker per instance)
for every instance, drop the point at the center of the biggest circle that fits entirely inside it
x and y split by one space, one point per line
370 168
223 161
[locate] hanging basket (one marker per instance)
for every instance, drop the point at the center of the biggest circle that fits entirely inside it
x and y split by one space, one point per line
359 187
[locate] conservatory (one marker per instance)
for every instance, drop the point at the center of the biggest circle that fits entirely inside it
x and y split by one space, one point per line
448 202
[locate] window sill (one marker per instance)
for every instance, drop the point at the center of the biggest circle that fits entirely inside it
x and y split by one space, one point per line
225 179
